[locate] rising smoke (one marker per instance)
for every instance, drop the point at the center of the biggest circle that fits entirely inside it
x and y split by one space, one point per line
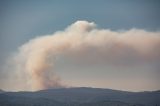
32 66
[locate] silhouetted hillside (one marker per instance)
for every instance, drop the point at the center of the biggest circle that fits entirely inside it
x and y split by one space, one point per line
1 91
80 97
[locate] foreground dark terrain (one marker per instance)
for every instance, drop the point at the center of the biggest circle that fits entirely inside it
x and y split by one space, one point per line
80 97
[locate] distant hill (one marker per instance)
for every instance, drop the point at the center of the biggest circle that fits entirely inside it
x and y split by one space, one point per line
1 91
80 97
9 100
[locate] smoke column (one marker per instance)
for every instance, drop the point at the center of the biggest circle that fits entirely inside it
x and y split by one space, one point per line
33 63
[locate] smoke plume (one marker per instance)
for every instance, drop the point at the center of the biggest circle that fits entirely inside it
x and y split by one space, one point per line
32 66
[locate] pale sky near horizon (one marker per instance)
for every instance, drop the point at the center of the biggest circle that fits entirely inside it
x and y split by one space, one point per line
23 20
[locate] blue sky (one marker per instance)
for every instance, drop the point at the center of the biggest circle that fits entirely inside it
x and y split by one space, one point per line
22 20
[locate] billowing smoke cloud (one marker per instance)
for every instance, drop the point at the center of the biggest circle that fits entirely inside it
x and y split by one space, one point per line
33 65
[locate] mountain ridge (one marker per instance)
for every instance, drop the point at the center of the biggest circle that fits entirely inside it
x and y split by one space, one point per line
86 96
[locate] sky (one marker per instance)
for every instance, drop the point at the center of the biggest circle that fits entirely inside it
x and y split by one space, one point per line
131 62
